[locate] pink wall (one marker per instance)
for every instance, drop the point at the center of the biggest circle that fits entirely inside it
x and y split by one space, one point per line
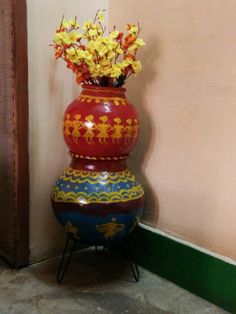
186 96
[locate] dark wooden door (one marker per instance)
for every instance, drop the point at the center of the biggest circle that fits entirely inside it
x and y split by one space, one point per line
14 165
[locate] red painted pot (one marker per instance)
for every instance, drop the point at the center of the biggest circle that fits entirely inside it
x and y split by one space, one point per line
101 122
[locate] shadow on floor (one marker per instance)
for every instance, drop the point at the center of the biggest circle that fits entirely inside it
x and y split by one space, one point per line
93 284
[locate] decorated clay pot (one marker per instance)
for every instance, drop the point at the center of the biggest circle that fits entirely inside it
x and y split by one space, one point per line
97 198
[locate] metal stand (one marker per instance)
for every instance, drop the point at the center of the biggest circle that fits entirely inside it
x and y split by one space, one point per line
69 250
65 259
133 265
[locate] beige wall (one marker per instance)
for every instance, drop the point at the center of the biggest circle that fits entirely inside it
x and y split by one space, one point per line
51 88
186 95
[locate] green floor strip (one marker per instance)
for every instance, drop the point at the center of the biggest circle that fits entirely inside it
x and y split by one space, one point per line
196 271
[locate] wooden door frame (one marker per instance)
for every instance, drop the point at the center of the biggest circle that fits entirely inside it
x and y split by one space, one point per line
20 96
18 254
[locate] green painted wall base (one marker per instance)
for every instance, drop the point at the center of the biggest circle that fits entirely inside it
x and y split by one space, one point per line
196 271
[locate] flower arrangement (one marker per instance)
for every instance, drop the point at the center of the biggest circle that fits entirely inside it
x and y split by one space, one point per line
95 58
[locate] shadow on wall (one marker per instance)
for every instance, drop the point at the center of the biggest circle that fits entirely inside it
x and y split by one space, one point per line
62 90
137 92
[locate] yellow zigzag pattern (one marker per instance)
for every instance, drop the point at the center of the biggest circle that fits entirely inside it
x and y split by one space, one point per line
117 100
97 177
100 197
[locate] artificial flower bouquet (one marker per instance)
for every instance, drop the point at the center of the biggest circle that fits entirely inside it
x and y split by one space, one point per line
96 58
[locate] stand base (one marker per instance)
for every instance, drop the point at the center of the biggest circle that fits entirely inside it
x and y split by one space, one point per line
69 250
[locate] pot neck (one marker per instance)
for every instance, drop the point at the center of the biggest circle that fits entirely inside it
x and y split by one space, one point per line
103 91
98 165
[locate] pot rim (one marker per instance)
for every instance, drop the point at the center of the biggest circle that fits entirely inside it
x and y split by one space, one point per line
105 89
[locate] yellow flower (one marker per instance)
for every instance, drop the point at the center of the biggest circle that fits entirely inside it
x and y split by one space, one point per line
110 44
87 55
105 63
74 36
84 55
92 32
133 30
127 61
132 48
119 50
111 55
105 71
123 64
98 28
100 16
91 55
72 55
99 40
115 71
67 24
105 68
137 66
106 40
114 34
102 50
87 25
94 70
92 67
66 38
59 38
139 42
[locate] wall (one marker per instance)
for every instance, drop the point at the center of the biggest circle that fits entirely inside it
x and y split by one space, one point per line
51 88
186 156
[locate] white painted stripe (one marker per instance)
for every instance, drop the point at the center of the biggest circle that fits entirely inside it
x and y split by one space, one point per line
194 246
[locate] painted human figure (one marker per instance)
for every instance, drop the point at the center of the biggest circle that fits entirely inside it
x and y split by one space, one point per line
117 130
77 126
136 128
90 127
110 229
103 129
129 129
67 125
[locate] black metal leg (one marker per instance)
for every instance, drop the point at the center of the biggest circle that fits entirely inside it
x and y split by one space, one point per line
65 260
69 249
135 270
133 265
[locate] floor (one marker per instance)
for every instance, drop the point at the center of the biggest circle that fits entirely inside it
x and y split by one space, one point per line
93 284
